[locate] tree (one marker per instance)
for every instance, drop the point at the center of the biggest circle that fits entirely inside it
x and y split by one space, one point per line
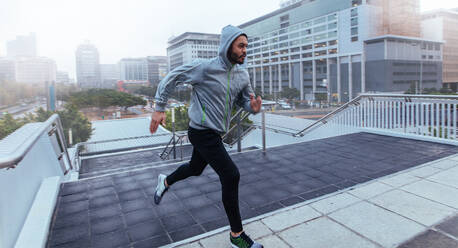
181 119
70 118
102 98
80 125
8 125
290 93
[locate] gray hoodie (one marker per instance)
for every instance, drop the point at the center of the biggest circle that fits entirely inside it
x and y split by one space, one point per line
216 86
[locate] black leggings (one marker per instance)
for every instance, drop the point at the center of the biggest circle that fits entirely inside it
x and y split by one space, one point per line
209 149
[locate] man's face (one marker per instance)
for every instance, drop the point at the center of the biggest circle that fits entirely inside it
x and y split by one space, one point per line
238 50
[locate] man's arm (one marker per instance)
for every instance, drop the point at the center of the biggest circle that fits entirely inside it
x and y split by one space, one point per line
181 74
248 101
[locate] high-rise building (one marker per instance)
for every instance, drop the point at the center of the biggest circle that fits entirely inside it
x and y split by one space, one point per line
87 66
37 70
341 48
157 68
62 77
189 46
109 75
22 46
7 69
134 70
442 25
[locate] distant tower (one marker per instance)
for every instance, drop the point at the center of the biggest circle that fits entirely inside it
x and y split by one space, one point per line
88 66
22 46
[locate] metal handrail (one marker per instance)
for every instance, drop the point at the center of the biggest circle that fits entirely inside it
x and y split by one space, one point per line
13 159
121 139
239 112
356 100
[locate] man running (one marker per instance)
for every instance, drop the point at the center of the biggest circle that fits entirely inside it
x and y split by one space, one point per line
218 84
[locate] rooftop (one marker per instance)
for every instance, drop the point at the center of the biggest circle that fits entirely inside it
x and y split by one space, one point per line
116 210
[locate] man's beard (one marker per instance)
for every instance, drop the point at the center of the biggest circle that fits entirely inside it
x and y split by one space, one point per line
234 59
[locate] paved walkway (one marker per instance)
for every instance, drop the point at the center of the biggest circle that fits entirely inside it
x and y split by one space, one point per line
117 210
416 208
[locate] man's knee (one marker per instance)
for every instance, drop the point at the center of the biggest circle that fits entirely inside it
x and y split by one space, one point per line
233 175
195 171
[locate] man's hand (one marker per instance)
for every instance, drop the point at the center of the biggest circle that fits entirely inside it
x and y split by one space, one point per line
156 119
255 104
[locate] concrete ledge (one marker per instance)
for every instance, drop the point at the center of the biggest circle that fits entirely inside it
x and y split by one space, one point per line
410 136
36 226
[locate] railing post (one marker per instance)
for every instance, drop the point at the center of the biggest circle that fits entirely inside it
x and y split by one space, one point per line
263 117
173 133
239 134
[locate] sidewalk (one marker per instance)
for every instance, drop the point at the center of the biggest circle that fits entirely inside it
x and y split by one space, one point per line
414 208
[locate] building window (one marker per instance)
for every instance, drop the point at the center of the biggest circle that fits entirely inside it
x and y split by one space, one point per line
354 31
355 3
332 17
294 35
295 49
295 56
293 28
320 45
294 42
284 18
284 51
332 51
274 59
306 55
354 21
355 38
284 44
306 32
332 34
319 29
306 24
319 20
320 37
284 25
354 12
306 40
284 37
320 53
332 42
332 25
307 47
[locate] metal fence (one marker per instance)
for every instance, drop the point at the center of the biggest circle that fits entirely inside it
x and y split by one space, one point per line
424 115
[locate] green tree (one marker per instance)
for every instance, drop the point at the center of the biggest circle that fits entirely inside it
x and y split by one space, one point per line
181 119
8 125
103 98
80 125
70 118
290 93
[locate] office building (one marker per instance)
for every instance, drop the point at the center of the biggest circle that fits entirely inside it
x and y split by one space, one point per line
62 77
134 70
7 69
320 47
157 68
442 25
109 75
22 46
37 70
87 66
188 46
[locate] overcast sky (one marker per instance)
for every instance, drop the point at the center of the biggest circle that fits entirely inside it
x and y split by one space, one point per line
121 28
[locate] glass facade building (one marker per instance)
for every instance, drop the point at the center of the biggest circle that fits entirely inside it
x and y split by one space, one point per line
318 47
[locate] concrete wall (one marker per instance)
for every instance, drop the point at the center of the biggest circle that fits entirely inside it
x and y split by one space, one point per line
20 185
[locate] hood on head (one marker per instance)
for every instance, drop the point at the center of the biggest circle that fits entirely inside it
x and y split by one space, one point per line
228 35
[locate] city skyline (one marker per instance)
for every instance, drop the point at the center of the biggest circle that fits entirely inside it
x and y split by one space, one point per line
59 39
